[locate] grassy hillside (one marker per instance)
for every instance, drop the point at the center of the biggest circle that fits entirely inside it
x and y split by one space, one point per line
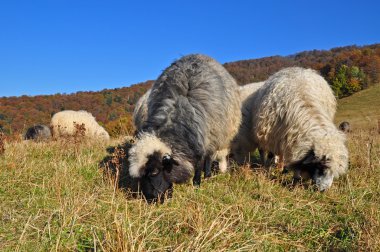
361 109
54 197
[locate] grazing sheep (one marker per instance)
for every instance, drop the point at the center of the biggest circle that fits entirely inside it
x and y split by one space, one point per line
192 112
140 114
292 116
38 133
64 124
345 127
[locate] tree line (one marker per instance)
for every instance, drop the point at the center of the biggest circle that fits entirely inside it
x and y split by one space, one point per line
347 69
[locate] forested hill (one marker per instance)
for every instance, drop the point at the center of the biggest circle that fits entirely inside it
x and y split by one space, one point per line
111 107
347 69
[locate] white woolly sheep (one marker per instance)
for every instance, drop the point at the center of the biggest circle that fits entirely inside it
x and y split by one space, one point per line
193 111
63 124
292 115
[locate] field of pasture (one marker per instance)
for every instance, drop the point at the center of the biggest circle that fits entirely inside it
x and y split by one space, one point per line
53 196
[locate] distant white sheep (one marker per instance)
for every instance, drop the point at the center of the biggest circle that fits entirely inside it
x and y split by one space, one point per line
63 124
291 115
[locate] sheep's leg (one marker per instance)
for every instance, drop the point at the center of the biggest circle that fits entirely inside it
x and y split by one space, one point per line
207 167
270 160
262 156
198 173
281 163
197 177
223 165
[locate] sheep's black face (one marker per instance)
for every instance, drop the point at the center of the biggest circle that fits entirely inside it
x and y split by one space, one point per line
155 184
317 169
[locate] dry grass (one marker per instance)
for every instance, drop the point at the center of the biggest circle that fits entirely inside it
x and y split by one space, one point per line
53 196
2 143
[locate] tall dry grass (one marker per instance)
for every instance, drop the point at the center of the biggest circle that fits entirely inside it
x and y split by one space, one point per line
2 143
53 196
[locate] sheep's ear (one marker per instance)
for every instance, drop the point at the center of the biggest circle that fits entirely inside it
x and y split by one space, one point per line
167 162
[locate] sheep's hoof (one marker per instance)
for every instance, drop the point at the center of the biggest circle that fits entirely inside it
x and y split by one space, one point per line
208 175
197 184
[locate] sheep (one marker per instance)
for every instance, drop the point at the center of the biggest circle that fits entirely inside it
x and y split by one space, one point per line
140 115
184 127
292 116
64 124
345 127
38 132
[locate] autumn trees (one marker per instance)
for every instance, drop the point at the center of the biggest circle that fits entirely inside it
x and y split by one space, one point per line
347 69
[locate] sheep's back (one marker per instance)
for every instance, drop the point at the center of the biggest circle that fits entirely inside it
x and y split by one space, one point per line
291 102
197 99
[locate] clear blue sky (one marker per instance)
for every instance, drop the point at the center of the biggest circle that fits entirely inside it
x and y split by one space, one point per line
64 46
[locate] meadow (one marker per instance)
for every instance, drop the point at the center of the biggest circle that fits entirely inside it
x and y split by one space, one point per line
53 196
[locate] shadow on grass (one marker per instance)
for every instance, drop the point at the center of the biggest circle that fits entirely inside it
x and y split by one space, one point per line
116 168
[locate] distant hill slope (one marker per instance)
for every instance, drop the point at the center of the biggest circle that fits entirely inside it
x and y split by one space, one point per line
361 109
347 69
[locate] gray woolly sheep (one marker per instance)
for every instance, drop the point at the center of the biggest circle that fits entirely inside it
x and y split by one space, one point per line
292 116
140 115
63 124
38 133
192 112
345 127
